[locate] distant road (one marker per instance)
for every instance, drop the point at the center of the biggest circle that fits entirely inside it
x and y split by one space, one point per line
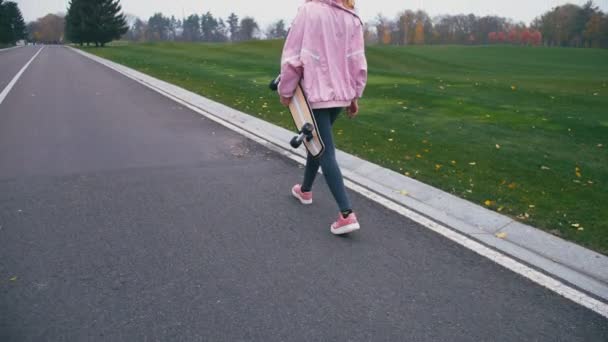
127 217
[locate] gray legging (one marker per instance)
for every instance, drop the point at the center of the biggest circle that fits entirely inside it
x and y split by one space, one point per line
325 120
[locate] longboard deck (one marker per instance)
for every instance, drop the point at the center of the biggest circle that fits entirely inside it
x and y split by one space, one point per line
302 113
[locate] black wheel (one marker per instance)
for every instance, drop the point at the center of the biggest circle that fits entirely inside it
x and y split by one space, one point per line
296 142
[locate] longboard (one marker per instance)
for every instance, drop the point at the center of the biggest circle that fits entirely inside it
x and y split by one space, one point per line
305 122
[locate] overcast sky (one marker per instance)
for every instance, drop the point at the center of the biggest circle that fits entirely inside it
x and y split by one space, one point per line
267 11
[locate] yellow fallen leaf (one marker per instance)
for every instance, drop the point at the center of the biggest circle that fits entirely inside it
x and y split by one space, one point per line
403 192
418 156
453 162
532 206
500 209
577 171
438 167
501 235
407 174
512 186
487 203
472 163
513 87
497 147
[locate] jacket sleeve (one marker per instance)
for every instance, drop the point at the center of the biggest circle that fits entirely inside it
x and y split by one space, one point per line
291 61
359 64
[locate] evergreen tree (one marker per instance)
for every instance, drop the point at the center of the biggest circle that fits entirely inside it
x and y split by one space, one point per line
96 21
248 29
208 27
233 26
192 29
12 25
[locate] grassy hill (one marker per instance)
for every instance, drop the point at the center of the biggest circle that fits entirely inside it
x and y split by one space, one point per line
523 131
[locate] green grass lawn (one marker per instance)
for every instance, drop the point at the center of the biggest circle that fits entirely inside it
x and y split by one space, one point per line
523 131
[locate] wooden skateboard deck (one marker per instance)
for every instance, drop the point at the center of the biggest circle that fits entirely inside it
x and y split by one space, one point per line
302 114
305 122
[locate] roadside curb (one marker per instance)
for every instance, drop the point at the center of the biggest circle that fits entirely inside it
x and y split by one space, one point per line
11 48
574 264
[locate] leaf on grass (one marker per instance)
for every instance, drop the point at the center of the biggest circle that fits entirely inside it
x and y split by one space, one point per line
531 206
500 209
453 162
472 163
576 225
545 168
390 139
600 145
497 147
438 167
407 174
513 87
577 171
501 235
418 156
512 186
488 203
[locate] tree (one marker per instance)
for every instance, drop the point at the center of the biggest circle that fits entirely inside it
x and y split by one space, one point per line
159 27
248 29
277 30
96 21
48 29
208 27
233 26
221 34
419 37
192 29
12 25
137 31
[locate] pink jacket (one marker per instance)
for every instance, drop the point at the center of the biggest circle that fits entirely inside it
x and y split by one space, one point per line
325 50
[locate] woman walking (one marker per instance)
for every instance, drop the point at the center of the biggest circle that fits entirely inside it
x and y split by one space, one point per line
325 52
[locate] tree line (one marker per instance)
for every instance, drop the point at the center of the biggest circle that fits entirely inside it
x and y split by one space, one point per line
100 21
568 25
12 25
201 28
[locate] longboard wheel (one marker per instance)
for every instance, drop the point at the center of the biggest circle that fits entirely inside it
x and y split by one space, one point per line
296 141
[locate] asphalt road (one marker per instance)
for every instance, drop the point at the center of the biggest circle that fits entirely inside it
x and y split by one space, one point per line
126 217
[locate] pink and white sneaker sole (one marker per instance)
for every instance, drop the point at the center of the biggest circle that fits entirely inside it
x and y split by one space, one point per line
299 198
349 228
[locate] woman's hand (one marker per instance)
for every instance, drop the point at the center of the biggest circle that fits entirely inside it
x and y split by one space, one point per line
285 101
353 109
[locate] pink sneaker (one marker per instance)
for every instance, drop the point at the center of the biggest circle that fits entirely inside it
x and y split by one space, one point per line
345 225
303 197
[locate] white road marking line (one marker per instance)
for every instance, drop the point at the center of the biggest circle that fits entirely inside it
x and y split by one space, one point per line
499 258
8 88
